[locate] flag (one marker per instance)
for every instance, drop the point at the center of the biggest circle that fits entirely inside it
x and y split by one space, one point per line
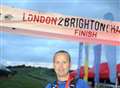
111 58
118 58
97 59
86 62
80 55
111 53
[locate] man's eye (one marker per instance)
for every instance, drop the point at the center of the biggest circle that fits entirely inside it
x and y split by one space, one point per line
64 62
57 62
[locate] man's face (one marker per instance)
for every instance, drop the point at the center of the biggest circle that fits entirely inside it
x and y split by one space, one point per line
61 64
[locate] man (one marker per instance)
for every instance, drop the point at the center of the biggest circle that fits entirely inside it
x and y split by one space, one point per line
62 64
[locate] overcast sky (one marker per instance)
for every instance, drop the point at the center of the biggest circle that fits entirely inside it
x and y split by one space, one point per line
24 49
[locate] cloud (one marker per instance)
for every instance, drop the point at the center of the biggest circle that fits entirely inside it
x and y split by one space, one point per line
70 7
33 49
25 48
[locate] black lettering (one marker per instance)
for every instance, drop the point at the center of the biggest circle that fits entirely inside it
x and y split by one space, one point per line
92 24
86 24
36 18
72 22
42 20
81 23
66 23
97 25
30 17
60 21
102 27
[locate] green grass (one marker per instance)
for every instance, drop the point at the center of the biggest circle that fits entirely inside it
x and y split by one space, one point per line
29 77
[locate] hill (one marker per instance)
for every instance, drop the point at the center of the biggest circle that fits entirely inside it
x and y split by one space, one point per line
28 77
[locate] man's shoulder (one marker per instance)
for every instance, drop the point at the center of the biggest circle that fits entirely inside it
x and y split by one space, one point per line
81 84
49 85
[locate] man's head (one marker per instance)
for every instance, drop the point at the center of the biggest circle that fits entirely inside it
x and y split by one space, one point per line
62 63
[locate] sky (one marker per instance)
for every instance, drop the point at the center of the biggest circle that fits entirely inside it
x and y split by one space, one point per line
19 49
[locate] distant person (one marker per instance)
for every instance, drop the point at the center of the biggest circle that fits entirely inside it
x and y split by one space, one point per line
62 64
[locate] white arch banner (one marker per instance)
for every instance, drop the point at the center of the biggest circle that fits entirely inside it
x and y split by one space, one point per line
59 26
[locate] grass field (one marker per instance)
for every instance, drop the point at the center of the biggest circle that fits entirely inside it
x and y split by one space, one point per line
28 77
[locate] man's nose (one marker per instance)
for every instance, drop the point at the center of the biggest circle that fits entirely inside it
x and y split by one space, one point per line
61 64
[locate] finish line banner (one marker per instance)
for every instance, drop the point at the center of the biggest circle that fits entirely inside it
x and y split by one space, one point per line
59 26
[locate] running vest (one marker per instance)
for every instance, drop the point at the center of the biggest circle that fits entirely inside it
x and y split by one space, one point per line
71 85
